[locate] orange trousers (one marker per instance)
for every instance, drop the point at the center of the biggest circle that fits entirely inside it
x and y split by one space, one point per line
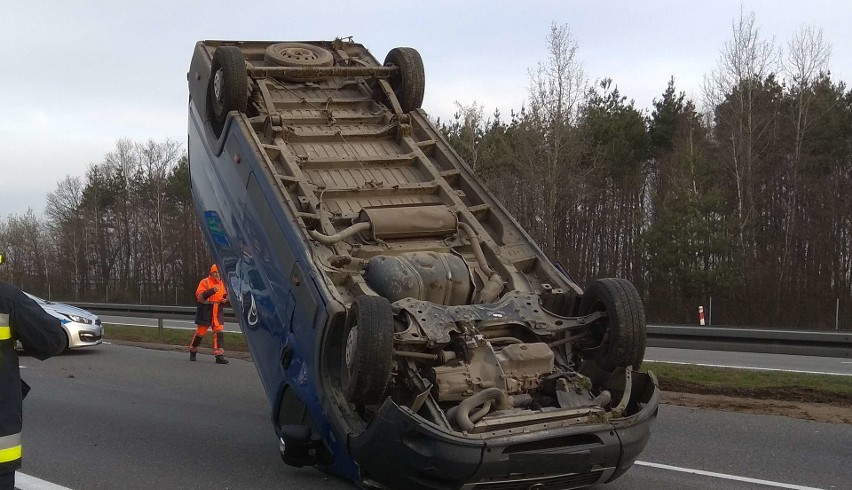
218 339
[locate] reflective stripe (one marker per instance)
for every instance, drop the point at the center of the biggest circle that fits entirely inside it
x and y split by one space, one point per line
11 454
10 448
5 331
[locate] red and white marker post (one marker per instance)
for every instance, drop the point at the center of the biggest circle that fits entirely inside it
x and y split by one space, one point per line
701 315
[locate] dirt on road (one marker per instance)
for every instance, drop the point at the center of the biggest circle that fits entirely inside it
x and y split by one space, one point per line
820 412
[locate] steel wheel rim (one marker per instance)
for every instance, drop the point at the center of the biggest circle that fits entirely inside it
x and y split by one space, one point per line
218 83
300 54
351 341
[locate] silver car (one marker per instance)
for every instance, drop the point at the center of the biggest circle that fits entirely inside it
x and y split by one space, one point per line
82 328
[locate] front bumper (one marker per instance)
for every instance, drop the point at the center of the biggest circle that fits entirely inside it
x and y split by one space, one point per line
401 450
83 334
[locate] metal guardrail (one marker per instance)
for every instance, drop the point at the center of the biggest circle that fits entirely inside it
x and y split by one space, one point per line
146 311
745 339
748 339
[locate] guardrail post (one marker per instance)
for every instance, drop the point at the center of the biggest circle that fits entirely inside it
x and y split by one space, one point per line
160 327
710 312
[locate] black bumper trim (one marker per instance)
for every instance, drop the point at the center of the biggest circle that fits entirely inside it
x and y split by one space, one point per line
402 450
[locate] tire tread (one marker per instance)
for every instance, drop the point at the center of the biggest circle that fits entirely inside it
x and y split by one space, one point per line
626 322
373 350
411 87
234 90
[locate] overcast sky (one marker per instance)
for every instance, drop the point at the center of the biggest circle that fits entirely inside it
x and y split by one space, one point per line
77 75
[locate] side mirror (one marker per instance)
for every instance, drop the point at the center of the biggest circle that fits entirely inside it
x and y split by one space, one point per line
297 447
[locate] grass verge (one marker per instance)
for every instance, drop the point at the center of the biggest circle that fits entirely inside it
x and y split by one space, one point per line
170 336
767 385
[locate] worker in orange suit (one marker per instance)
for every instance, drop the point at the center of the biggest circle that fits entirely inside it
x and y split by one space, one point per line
212 298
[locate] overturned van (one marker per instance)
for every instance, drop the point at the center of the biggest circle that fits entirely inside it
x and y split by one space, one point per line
408 333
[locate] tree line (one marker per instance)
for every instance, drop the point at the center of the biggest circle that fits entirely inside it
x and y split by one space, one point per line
126 232
738 200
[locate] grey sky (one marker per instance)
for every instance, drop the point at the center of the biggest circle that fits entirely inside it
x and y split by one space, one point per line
77 75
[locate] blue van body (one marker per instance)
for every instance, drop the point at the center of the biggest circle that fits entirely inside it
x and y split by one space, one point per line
261 259
303 234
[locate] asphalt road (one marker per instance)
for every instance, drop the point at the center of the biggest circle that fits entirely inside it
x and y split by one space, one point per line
125 417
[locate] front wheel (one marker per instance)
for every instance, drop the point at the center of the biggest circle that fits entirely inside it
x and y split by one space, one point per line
368 353
619 337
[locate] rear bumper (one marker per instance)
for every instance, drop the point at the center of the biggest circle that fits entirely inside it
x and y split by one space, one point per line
401 450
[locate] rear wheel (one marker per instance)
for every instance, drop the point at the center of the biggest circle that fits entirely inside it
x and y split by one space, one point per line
368 352
619 337
228 89
409 82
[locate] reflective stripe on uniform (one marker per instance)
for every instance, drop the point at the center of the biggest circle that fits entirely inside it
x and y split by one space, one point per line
5 331
10 448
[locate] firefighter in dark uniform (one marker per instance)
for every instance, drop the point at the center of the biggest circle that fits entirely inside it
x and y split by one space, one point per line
42 336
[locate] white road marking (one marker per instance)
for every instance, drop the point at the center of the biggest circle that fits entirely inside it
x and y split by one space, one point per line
845 362
27 482
726 477
750 368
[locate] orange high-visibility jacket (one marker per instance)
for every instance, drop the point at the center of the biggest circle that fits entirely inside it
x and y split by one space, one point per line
209 309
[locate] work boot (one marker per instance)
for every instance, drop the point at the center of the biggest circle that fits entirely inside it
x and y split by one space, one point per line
220 359
192 356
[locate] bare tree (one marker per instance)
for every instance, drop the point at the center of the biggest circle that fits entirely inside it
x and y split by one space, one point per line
807 56
67 226
746 62
807 61
746 57
156 162
470 120
549 160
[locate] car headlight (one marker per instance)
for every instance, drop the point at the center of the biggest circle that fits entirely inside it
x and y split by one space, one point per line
79 319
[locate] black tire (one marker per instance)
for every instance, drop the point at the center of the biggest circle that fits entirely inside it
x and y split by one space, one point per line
227 90
409 82
368 350
620 337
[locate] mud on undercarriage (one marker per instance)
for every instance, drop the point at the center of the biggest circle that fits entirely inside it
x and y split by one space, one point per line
485 367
